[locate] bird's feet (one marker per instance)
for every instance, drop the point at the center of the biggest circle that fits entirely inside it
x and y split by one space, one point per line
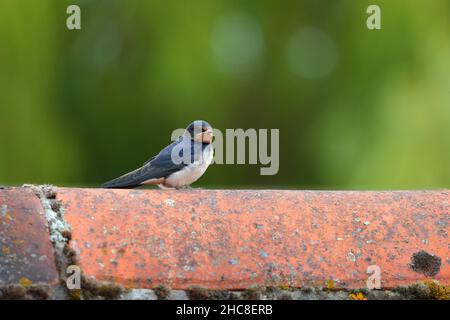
187 188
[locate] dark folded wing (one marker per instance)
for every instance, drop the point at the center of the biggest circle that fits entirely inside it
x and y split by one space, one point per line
158 167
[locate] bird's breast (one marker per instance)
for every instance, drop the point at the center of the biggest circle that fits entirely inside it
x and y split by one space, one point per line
192 171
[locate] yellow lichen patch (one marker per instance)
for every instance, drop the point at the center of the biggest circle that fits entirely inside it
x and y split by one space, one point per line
330 285
437 291
75 294
7 217
18 242
25 282
285 287
6 250
357 296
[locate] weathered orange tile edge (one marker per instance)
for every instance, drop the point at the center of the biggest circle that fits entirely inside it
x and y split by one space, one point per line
26 253
232 239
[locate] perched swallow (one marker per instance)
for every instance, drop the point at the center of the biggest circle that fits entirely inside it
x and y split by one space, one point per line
177 165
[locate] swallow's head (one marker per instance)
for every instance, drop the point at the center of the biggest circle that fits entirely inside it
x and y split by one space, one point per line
200 131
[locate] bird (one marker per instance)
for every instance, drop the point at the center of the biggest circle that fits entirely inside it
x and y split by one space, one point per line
177 166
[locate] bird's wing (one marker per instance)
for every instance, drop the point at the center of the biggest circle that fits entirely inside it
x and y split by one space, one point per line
158 167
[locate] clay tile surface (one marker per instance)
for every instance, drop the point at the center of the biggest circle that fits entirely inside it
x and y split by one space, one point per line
26 253
224 239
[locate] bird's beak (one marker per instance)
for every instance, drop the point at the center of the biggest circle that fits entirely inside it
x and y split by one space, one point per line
205 137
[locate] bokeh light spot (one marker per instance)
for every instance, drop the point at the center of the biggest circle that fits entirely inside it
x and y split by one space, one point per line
311 53
237 44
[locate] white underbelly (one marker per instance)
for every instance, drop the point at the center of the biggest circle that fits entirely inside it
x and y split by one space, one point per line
191 172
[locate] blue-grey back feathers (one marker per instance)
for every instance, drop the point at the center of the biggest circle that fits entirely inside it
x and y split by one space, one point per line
160 166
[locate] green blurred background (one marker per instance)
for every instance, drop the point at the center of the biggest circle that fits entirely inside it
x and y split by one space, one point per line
356 109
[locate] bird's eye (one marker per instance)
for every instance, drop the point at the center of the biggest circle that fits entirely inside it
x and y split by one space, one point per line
203 129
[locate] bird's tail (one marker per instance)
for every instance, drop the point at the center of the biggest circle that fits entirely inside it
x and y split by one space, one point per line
127 181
